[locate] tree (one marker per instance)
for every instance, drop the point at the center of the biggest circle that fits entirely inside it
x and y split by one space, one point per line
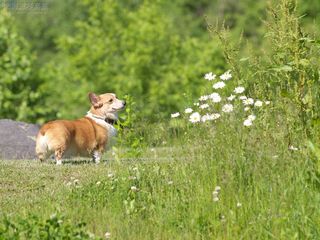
19 95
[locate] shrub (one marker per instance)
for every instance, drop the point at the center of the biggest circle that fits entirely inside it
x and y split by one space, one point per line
32 227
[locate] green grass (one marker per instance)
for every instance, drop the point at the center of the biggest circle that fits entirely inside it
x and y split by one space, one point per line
278 190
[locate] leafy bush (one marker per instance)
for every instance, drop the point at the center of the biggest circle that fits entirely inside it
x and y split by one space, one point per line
20 95
32 227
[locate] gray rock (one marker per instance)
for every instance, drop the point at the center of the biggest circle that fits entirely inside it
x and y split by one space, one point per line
17 139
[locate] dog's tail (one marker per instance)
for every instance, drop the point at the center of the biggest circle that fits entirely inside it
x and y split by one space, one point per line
42 145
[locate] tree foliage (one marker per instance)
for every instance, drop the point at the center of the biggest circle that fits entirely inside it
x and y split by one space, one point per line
19 95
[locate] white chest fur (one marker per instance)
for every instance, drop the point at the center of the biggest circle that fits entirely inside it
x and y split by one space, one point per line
111 130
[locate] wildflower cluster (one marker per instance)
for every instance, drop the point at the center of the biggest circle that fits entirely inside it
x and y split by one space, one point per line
215 193
213 106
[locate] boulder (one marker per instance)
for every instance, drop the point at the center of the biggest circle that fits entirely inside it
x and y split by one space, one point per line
17 139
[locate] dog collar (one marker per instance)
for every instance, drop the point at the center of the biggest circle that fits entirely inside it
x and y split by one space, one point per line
110 121
107 120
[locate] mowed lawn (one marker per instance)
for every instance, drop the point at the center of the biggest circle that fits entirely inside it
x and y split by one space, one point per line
215 192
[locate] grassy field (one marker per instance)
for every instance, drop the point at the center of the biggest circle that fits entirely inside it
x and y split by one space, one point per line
267 191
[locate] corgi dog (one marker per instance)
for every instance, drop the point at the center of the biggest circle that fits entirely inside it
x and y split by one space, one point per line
87 136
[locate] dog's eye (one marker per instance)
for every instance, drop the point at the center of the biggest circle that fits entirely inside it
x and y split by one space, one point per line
111 100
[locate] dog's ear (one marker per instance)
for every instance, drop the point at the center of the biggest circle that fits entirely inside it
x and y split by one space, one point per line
94 99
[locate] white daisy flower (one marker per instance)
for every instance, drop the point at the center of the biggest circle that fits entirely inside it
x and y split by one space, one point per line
242 97
258 103
267 102
205 118
188 110
252 117
215 97
231 97
239 90
209 76
227 108
204 98
214 116
246 109
247 123
226 76
175 115
204 106
248 101
219 85
210 117
195 117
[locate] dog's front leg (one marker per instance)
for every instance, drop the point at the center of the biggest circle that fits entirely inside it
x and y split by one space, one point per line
96 156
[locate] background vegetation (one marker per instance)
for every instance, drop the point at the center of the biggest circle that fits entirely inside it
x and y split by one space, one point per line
162 173
155 51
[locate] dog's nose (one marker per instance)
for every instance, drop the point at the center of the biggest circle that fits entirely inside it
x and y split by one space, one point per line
124 103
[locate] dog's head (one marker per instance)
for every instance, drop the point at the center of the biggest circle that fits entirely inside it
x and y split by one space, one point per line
106 105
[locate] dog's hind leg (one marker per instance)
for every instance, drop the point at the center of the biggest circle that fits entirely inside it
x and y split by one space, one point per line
41 147
58 153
